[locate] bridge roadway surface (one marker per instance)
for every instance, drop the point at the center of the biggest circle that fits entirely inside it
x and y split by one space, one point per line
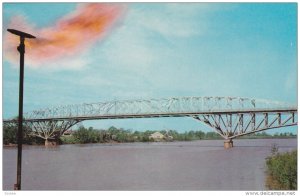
167 114
149 108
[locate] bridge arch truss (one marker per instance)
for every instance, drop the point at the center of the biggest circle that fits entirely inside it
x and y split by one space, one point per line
231 117
233 125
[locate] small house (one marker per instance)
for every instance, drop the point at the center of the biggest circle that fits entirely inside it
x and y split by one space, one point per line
68 132
157 136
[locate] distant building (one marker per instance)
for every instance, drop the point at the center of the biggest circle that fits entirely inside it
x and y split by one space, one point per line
157 136
68 132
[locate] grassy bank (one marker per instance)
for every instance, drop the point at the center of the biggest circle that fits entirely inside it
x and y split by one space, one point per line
282 170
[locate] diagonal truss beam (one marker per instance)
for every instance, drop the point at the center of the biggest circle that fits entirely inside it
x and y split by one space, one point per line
50 129
230 117
176 106
47 129
239 124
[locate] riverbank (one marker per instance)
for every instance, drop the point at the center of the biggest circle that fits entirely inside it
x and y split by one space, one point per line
162 141
90 135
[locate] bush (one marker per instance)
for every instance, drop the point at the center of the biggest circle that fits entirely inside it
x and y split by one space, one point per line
9 134
69 139
84 135
282 171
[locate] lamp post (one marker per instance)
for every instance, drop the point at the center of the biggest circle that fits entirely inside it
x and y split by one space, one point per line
21 49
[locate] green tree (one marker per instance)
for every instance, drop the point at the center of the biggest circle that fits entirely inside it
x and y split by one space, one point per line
282 171
83 135
113 130
185 136
9 134
212 135
191 135
121 136
200 135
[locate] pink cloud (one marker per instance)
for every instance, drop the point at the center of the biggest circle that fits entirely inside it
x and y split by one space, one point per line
67 38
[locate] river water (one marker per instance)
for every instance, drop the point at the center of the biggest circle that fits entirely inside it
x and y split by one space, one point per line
197 165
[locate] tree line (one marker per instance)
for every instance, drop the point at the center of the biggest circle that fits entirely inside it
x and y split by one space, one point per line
113 134
10 135
91 135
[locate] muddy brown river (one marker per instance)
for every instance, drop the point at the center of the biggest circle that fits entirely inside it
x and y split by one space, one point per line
197 165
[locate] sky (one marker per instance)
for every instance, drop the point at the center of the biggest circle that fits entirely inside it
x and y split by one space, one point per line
123 51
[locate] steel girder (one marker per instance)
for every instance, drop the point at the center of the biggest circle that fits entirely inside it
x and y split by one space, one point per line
232 125
146 108
50 129
46 129
229 116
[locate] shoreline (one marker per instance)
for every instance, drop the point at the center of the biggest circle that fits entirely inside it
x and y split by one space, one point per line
12 145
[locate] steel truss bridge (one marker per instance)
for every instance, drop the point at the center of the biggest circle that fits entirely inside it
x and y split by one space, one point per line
230 117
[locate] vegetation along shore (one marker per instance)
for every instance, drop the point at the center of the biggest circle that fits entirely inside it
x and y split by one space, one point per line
91 135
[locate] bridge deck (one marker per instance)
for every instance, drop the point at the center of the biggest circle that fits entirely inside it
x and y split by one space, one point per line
167 114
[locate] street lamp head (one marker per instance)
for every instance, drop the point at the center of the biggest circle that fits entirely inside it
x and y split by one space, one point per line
20 33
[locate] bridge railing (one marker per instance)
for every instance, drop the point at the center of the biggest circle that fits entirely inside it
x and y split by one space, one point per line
155 106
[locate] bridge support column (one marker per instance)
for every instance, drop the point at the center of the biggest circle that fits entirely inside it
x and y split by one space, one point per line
228 143
50 130
50 143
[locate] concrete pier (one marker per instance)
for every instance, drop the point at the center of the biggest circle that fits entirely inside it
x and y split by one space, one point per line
228 144
50 143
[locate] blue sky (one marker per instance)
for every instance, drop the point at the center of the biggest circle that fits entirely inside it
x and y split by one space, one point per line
164 50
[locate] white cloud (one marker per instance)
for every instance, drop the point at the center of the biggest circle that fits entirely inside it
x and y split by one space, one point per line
141 58
291 81
148 37
128 48
175 20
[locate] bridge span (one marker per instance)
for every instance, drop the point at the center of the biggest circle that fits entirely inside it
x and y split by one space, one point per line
230 117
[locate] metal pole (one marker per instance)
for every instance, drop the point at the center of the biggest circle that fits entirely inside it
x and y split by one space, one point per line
21 49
